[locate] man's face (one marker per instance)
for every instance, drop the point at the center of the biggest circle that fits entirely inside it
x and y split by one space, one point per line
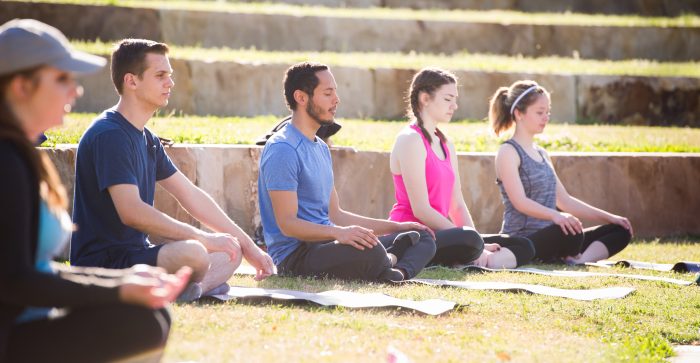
154 85
322 105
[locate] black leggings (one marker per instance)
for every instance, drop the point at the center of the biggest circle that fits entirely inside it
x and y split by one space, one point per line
551 244
90 334
335 260
461 246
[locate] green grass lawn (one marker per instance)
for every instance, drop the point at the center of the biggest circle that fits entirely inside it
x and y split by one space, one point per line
457 61
489 326
473 16
379 135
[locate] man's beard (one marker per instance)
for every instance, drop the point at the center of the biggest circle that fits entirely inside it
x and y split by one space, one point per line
315 113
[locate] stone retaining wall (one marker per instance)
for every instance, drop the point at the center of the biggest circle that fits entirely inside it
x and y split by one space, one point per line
244 89
295 33
637 7
655 190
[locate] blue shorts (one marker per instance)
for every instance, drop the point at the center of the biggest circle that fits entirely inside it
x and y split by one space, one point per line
121 257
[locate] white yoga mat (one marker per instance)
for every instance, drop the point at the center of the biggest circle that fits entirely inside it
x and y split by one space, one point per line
560 273
340 298
586 295
683 266
592 294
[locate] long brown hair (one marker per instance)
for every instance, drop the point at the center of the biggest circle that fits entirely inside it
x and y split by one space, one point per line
50 187
427 80
500 117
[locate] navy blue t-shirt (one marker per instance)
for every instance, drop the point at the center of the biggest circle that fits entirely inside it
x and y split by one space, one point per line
112 151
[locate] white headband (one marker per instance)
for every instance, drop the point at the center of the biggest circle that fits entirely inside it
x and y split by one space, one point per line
515 103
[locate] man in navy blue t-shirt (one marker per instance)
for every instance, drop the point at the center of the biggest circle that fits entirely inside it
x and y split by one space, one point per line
306 231
118 164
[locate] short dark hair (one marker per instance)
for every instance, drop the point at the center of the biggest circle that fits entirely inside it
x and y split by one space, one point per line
301 76
129 56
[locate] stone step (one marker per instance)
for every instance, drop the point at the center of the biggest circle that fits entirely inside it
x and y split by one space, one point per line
636 185
355 30
231 88
633 7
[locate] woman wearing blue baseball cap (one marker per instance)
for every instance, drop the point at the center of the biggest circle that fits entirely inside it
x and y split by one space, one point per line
50 311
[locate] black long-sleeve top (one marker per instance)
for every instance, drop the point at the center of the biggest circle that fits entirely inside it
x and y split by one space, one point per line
21 285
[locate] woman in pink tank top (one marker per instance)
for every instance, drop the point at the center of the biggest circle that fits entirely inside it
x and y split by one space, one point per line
426 179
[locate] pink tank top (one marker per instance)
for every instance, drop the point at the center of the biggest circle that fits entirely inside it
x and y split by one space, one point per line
439 177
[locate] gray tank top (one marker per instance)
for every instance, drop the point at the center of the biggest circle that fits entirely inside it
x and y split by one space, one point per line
540 184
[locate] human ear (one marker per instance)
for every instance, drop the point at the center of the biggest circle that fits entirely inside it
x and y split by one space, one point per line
424 98
517 115
21 88
130 80
301 97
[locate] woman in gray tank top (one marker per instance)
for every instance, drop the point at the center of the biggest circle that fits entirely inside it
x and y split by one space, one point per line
537 205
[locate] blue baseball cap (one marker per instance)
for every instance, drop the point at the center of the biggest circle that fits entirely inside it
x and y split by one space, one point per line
28 43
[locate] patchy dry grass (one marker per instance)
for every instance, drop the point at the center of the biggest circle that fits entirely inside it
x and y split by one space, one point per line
489 326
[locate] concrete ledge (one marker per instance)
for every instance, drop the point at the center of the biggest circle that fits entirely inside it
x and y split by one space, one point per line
638 7
313 33
655 190
245 89
89 22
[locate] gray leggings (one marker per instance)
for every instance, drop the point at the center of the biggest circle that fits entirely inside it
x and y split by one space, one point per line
335 260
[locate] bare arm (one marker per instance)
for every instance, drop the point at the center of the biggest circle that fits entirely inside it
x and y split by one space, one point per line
201 206
568 203
136 214
342 217
408 158
285 205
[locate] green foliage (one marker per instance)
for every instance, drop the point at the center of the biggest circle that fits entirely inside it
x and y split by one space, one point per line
468 136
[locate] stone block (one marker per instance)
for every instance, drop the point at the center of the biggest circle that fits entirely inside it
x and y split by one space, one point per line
363 181
237 89
89 22
476 89
654 190
639 100
390 89
356 92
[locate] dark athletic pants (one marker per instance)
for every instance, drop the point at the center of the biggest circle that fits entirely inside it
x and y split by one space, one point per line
90 334
551 243
462 246
335 260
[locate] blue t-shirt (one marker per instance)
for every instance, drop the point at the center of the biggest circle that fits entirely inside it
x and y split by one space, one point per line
112 151
292 162
54 230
